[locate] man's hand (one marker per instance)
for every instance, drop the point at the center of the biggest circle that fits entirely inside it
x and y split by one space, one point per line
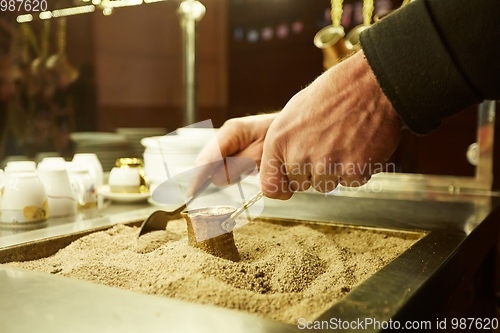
238 137
341 128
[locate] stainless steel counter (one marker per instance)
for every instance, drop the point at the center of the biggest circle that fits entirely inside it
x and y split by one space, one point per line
461 230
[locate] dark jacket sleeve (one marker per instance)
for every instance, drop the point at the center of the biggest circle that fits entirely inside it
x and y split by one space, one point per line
435 58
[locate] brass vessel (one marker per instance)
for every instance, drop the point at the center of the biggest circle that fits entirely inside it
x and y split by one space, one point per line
207 231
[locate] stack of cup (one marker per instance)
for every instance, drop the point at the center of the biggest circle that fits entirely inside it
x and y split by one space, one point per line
56 188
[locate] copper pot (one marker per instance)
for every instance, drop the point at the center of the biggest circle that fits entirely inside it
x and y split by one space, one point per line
207 230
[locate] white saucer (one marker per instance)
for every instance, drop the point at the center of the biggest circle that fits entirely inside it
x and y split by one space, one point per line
123 197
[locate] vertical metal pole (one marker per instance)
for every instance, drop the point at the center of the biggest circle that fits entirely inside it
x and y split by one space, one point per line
190 101
190 11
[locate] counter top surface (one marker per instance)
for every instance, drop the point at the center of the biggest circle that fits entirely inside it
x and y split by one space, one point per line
457 227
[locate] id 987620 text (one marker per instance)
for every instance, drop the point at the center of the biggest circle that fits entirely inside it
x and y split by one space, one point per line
23 5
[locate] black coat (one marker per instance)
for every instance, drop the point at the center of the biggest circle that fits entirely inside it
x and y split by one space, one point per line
435 58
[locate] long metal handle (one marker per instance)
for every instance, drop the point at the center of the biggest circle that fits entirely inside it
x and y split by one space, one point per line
159 219
228 224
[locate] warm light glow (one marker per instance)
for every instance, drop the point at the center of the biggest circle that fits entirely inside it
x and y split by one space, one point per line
45 15
24 18
107 11
73 11
193 9
123 3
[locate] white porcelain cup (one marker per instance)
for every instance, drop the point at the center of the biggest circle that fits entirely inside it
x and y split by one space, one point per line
24 199
93 164
20 167
83 185
91 161
62 199
124 180
17 167
52 161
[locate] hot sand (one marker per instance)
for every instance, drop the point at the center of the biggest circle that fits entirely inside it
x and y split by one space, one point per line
285 273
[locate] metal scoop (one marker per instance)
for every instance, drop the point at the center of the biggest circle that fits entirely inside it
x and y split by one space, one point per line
158 220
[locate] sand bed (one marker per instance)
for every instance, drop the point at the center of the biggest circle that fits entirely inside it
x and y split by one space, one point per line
285 273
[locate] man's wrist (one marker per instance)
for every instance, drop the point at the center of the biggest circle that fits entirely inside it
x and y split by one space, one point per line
383 102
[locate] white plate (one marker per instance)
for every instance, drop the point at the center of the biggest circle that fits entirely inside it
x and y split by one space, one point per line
123 197
168 207
98 137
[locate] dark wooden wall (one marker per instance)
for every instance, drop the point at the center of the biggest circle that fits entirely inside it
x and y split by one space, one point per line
138 59
265 74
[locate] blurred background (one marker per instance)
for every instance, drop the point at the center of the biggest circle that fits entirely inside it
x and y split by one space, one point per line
119 69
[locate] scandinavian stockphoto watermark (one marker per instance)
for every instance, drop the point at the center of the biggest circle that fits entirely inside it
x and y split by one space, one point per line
324 176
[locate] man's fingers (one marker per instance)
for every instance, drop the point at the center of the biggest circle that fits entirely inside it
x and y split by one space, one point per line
227 142
273 180
350 181
200 175
299 183
299 174
233 139
324 183
242 163
231 170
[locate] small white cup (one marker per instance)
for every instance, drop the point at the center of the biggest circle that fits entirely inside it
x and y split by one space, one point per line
91 161
53 160
83 185
54 176
20 167
124 180
24 199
